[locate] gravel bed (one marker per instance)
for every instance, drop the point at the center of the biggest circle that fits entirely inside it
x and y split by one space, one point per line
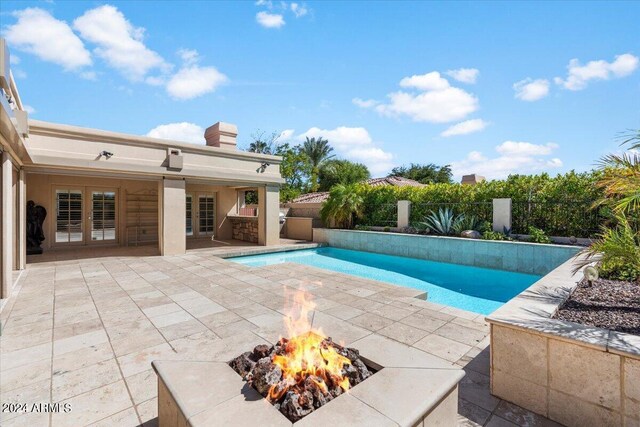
608 304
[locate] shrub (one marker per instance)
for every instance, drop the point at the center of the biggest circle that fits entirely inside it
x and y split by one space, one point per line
616 252
495 235
444 222
343 206
531 195
537 235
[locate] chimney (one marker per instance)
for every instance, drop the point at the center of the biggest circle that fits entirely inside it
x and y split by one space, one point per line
222 135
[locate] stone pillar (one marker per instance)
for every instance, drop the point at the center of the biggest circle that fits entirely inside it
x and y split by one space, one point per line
269 215
501 214
404 211
6 259
172 217
222 135
22 220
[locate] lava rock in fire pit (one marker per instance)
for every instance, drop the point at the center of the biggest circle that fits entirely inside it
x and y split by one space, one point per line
243 364
264 375
320 379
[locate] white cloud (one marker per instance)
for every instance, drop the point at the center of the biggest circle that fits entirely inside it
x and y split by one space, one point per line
189 56
29 109
464 75
286 135
14 59
362 103
531 90
119 43
270 20
298 10
181 131
435 101
514 158
465 128
39 33
191 82
514 148
440 106
354 143
429 81
579 76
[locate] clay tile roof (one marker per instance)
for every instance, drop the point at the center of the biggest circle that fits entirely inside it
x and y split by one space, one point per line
311 197
397 181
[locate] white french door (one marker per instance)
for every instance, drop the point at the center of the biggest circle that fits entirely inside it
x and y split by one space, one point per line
206 215
102 216
85 216
69 215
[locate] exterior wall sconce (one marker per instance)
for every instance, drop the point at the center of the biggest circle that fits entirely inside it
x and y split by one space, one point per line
263 167
106 154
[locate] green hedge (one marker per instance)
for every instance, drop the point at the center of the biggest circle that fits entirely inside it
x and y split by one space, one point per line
559 205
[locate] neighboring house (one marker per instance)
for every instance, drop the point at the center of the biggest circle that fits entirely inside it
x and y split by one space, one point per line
106 188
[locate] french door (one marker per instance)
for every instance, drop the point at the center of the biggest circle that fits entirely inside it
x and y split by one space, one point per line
206 215
85 216
102 217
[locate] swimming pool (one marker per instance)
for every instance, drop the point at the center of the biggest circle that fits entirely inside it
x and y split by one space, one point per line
481 290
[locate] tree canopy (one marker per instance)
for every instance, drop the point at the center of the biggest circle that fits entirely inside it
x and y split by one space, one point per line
339 171
424 174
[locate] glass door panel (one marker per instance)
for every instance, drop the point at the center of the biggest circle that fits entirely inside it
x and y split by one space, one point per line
206 214
103 215
189 215
68 216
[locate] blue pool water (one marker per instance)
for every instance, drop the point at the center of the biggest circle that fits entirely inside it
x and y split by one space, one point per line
481 290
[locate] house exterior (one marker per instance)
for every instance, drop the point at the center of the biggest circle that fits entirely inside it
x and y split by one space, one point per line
107 188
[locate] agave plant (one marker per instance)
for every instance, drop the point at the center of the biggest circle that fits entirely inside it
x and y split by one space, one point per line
616 252
444 222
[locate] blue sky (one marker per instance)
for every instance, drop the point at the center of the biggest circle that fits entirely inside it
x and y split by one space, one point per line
492 88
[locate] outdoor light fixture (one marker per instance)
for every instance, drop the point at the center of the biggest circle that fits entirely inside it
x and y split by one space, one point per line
106 154
263 167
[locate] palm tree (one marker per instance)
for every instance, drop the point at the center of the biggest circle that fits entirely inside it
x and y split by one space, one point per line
259 146
345 203
317 151
621 179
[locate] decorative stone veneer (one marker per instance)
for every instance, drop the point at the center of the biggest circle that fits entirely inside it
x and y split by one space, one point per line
244 228
574 374
520 257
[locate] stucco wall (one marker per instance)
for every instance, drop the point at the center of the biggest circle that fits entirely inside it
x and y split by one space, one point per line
41 189
511 256
299 228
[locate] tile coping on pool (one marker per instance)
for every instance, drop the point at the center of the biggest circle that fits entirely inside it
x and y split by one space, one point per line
410 387
533 309
259 250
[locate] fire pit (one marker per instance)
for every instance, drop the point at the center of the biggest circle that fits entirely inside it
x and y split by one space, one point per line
307 379
301 374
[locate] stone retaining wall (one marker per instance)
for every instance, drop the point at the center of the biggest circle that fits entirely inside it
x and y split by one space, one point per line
244 228
574 374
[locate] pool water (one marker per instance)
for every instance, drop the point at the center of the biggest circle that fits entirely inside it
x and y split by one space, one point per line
480 290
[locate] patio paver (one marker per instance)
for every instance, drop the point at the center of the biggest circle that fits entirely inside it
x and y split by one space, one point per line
84 331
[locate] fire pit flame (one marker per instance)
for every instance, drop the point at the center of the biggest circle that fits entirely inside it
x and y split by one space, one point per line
300 374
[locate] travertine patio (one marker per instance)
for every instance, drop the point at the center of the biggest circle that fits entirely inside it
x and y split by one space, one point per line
85 331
